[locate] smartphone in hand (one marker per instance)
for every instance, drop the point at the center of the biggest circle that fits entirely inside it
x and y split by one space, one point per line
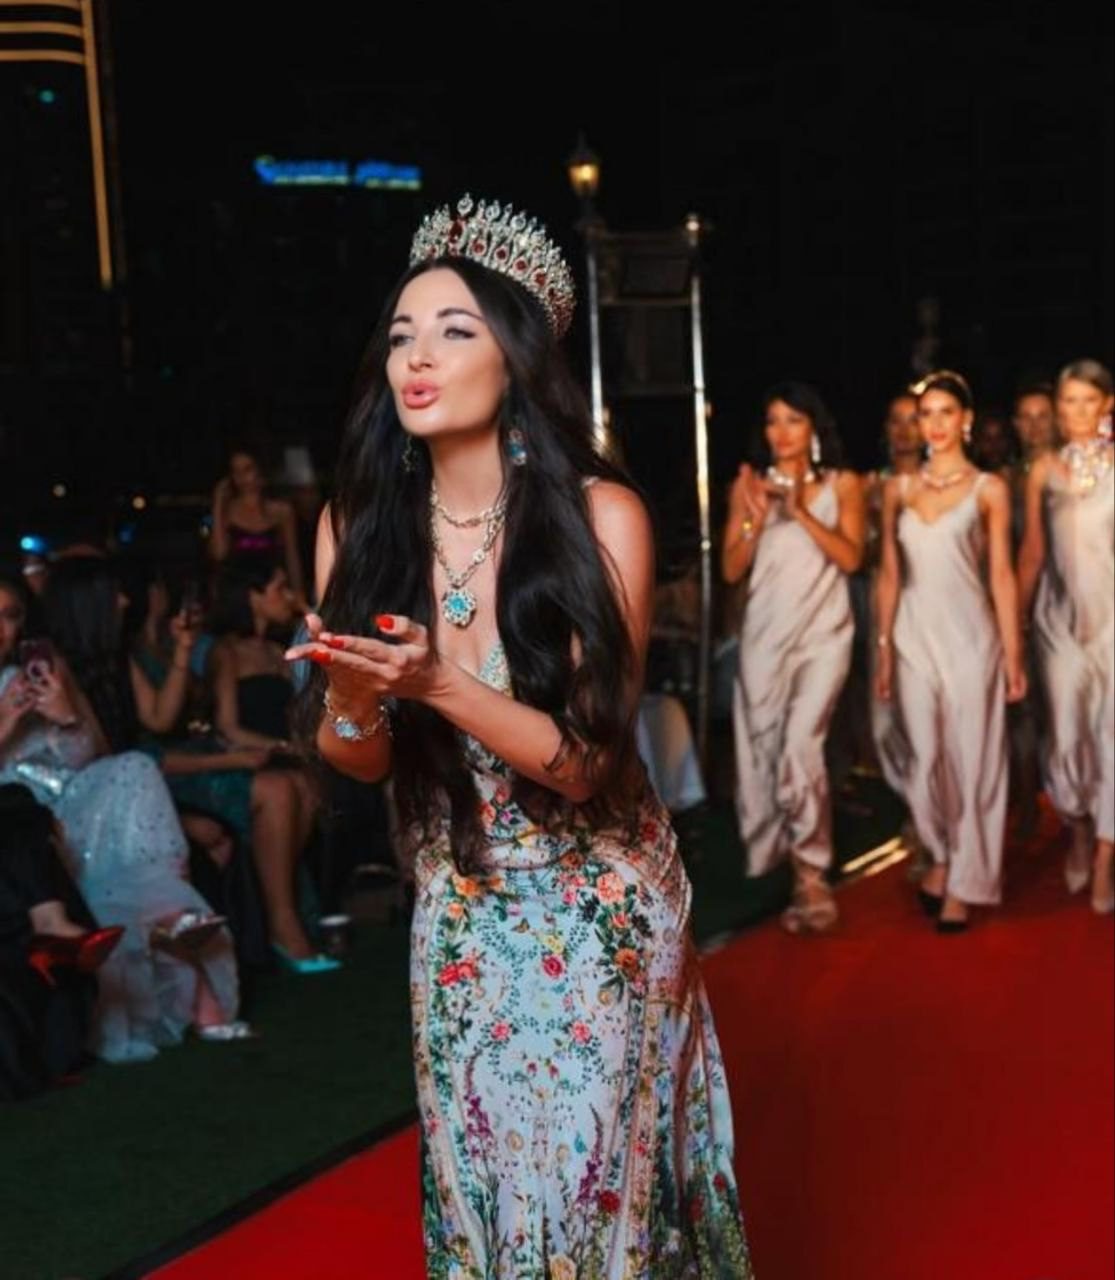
36 657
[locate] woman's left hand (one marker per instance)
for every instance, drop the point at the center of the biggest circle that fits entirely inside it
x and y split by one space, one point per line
51 699
1016 681
359 666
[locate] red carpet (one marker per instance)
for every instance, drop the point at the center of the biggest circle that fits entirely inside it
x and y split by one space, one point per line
908 1107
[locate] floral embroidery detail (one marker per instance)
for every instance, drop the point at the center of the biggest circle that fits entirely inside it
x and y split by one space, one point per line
570 1083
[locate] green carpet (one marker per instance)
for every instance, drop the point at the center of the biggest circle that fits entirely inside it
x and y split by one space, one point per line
106 1171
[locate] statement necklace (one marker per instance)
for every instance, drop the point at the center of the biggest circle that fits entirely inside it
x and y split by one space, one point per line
945 482
463 522
782 481
1087 462
458 603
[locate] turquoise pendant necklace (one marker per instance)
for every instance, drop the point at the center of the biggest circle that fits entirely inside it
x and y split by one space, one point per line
458 603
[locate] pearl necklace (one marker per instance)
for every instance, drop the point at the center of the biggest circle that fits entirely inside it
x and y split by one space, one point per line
1087 461
945 482
782 481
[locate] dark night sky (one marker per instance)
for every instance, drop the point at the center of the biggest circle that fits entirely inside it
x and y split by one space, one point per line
852 161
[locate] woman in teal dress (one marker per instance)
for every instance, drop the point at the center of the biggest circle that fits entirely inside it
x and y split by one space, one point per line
574 1106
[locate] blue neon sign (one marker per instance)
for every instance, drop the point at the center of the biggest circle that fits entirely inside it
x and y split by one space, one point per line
369 174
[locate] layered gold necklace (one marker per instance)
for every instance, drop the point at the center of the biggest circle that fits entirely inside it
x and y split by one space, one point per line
458 603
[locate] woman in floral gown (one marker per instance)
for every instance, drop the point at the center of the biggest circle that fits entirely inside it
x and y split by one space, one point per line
575 1112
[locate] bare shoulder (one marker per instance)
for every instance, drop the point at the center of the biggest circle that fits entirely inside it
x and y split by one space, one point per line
892 489
617 512
1040 469
223 653
325 525
623 531
280 510
994 488
850 484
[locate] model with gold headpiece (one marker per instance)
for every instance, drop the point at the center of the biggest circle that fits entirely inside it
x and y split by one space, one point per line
487 582
949 653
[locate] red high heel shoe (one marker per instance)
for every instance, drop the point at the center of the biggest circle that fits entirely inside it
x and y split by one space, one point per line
84 951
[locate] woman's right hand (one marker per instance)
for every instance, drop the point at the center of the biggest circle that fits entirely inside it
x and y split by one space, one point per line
747 499
52 699
884 673
364 670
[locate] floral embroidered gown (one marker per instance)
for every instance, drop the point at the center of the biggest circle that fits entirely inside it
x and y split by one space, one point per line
574 1107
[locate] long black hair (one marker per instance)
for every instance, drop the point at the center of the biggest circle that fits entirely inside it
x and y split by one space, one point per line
553 586
83 615
13 583
805 399
239 577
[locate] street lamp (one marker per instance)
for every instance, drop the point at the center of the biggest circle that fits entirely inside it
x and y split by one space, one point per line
584 171
583 167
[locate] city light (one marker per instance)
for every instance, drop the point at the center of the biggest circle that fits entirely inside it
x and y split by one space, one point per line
369 174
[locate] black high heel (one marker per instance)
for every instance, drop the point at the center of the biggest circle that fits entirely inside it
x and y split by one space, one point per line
952 926
931 903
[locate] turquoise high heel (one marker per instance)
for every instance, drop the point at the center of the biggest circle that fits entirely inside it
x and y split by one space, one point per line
309 964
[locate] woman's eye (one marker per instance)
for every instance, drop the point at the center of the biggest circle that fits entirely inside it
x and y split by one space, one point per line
397 339
454 332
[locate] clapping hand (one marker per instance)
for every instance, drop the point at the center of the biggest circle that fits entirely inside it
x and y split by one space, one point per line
748 498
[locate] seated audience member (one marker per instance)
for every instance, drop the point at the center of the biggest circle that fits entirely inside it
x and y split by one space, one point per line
49 950
81 703
252 694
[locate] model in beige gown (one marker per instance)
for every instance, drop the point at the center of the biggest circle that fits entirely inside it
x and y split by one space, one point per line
797 536
795 650
947 743
1074 626
949 655
1068 563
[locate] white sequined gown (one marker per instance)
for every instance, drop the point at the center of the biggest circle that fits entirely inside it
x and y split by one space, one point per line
128 856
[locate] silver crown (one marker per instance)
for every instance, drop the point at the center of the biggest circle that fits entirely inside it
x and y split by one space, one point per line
505 241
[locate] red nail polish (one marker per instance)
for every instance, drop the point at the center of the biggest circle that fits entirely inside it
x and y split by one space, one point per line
385 622
336 642
322 657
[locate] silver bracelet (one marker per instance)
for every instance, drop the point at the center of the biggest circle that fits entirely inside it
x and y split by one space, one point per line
348 730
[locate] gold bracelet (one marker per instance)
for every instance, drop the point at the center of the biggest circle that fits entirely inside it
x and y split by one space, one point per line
747 529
